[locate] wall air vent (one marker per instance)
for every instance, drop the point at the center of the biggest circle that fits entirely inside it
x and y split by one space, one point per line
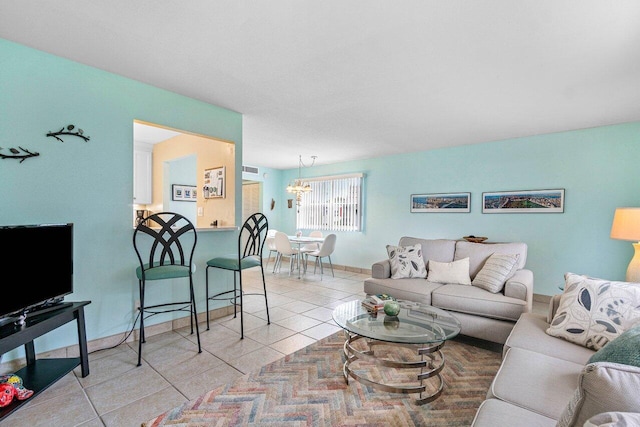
250 169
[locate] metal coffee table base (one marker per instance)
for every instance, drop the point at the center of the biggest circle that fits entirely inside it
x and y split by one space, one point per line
430 364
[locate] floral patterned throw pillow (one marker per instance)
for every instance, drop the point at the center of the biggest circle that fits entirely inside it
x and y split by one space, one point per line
593 312
406 262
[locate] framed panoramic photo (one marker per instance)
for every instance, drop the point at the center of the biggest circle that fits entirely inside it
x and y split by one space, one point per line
441 202
527 201
183 193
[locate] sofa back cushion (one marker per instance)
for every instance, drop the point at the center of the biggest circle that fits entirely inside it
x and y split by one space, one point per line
602 387
478 253
440 250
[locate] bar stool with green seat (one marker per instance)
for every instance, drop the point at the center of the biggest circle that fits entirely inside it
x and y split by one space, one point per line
164 243
251 241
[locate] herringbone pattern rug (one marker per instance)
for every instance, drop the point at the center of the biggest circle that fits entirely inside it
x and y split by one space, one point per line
307 388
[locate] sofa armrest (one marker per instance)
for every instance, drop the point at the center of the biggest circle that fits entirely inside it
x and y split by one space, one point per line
520 286
381 269
554 303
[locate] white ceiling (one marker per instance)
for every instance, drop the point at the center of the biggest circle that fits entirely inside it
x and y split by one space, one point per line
357 79
151 134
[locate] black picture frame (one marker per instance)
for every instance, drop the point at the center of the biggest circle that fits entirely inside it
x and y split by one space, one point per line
184 193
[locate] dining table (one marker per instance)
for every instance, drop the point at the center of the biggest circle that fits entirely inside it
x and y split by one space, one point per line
304 240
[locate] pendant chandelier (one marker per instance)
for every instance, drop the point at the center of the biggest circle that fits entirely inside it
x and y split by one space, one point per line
298 186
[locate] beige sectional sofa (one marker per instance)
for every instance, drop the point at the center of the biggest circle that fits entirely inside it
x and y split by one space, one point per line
483 314
547 381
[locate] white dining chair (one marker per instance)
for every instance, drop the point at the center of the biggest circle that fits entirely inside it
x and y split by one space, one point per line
284 248
310 247
270 243
326 249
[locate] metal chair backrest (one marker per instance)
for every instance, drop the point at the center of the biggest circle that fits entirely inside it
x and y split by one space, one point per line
168 237
253 235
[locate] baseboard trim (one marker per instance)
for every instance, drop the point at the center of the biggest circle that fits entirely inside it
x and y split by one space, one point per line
541 298
113 340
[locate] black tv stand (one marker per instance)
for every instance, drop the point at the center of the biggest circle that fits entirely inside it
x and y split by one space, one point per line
47 308
38 375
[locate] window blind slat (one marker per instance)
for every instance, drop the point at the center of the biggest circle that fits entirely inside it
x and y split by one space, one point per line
334 204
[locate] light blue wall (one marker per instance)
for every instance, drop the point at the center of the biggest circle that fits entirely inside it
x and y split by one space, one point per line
596 167
90 183
181 171
271 180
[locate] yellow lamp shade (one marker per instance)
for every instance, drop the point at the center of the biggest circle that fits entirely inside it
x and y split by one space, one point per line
626 226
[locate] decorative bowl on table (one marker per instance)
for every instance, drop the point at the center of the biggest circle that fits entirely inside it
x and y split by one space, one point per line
475 239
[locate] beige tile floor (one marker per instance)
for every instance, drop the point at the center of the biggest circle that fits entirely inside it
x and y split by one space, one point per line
117 393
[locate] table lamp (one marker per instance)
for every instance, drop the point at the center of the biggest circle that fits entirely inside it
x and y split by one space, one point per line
626 226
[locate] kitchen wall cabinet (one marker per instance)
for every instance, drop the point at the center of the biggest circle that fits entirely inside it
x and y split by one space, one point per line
142 173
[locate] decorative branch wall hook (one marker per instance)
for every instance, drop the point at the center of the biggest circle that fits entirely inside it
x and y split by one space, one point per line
21 154
69 131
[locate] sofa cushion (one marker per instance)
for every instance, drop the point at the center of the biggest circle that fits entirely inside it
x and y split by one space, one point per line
536 382
441 250
472 300
614 419
418 290
625 349
478 253
456 272
593 312
406 261
602 387
495 272
529 333
495 412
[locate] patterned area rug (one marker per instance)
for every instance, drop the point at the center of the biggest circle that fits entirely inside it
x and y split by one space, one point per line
307 388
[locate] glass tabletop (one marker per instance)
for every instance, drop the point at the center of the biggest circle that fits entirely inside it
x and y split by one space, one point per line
415 324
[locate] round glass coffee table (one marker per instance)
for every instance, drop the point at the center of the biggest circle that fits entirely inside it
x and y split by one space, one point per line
422 328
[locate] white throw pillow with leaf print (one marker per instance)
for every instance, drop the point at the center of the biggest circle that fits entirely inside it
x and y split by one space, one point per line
593 312
406 262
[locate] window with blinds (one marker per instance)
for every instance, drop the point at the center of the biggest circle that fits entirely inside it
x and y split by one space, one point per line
334 204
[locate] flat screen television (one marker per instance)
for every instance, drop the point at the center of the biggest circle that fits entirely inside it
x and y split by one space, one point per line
39 259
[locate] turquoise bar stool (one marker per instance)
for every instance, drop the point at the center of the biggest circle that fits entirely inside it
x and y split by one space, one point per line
164 243
251 240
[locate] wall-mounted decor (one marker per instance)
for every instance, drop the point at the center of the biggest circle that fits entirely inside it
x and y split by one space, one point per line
529 201
18 154
183 193
214 185
441 202
290 203
69 131
273 204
